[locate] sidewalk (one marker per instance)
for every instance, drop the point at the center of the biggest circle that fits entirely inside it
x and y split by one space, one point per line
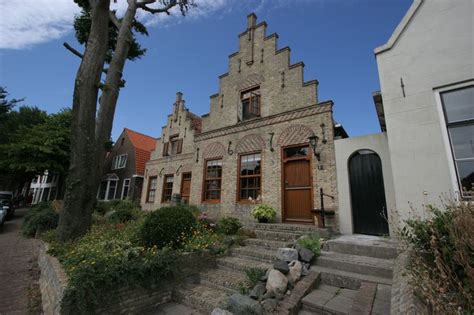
17 255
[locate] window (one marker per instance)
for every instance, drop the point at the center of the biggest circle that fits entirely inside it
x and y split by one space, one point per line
250 177
119 161
167 188
458 106
125 188
212 180
150 197
107 189
250 103
176 145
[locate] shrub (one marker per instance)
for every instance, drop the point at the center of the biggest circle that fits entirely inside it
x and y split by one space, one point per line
442 260
263 212
229 225
202 237
167 226
40 218
106 259
311 242
253 276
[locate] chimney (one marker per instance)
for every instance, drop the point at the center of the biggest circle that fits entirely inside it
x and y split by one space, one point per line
179 97
251 20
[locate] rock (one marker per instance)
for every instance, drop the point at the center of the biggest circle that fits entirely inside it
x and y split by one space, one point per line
306 255
265 277
269 305
219 311
288 292
281 266
277 282
295 271
305 270
279 296
242 305
258 291
268 295
287 254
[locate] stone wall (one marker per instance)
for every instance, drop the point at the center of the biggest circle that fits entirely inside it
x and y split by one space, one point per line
52 282
404 299
127 300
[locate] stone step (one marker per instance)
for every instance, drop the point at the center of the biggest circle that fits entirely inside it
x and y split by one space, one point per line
358 264
346 279
225 279
329 300
296 228
201 297
282 236
363 245
241 264
268 244
255 252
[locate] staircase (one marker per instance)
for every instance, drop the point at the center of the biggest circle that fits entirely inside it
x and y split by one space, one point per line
217 285
356 277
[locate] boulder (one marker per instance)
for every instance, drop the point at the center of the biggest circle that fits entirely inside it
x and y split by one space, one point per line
270 305
268 295
219 311
281 266
287 254
295 271
306 255
258 291
265 277
277 282
305 269
242 305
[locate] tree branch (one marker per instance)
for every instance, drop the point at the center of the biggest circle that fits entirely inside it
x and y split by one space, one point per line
114 19
143 5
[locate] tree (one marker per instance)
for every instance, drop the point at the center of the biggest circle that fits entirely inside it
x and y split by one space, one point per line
109 39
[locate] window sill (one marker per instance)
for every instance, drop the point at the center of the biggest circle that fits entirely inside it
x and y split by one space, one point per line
210 201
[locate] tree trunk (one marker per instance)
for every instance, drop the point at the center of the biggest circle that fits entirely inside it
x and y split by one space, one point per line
110 93
80 189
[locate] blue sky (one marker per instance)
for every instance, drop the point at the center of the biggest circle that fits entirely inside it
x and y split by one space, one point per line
334 38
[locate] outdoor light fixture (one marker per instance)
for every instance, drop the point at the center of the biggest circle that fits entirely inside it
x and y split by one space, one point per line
313 142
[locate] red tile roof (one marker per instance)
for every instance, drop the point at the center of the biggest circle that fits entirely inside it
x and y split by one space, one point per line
143 145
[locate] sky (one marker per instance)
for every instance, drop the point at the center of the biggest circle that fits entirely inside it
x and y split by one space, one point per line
334 38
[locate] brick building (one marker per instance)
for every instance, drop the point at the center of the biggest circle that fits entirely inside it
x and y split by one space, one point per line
254 144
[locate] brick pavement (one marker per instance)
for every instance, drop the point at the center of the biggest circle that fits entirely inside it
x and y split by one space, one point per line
17 255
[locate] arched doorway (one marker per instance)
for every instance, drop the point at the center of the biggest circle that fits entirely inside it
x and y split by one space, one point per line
369 207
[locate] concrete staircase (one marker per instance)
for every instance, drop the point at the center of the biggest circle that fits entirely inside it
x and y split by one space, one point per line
356 277
216 285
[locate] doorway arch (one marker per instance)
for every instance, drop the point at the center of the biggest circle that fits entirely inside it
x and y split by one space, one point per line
369 206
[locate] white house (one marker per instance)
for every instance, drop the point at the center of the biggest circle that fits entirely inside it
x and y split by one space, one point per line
426 112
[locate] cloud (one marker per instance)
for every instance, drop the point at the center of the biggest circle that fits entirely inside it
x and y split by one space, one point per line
25 23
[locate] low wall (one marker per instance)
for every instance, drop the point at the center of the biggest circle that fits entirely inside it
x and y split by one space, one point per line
129 300
404 299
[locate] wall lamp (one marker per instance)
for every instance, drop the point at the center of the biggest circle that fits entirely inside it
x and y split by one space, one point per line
313 142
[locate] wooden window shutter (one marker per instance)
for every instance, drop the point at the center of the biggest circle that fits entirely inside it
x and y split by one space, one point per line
165 148
179 148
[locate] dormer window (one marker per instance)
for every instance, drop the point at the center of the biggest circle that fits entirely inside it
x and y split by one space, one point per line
250 100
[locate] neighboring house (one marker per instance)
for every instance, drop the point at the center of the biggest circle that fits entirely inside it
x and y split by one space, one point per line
426 112
254 145
124 167
44 188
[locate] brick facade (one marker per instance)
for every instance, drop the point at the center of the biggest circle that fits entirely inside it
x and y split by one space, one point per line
289 113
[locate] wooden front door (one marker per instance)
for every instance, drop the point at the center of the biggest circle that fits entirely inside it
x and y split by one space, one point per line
297 188
369 208
185 187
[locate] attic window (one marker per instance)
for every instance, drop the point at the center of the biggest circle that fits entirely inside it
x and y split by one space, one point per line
250 100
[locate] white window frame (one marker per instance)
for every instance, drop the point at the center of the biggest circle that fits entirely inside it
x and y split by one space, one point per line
107 190
119 161
123 187
445 133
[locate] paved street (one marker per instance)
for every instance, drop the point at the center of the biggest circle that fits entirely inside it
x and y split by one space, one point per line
17 255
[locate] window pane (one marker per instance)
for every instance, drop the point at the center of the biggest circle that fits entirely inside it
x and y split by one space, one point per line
462 139
459 104
466 174
296 152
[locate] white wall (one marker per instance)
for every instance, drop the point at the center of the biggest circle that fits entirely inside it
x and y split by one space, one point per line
435 48
344 149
